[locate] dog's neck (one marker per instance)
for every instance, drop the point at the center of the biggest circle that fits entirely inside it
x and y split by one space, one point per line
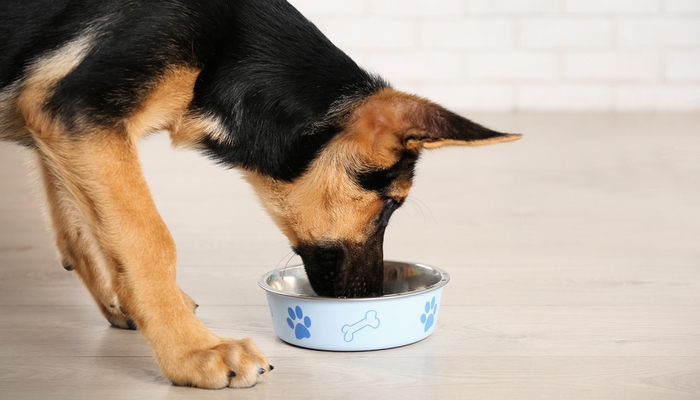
274 95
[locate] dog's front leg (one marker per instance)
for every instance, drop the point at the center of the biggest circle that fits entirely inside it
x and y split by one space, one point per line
101 171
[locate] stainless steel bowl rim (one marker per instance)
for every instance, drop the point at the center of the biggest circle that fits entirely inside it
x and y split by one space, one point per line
444 279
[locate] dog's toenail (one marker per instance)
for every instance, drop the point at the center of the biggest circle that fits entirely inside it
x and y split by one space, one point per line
231 374
196 306
271 367
131 324
68 267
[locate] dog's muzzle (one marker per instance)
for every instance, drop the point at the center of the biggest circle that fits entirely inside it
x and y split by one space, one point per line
340 269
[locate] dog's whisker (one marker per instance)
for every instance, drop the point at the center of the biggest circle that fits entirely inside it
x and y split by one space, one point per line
289 260
288 257
420 205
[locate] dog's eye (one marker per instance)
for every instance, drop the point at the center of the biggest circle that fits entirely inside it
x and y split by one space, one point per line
390 205
379 180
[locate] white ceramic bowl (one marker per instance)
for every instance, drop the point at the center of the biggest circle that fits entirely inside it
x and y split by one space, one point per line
406 313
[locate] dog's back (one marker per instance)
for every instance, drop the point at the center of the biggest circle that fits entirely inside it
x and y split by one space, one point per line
263 70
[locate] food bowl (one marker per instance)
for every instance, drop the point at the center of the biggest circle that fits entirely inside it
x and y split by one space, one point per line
407 313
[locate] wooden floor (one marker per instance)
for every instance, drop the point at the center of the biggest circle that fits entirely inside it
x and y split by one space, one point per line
574 256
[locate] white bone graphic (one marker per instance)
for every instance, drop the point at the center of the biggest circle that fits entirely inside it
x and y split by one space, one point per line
370 320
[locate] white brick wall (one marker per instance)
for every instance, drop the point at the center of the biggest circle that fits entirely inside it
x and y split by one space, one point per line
519 55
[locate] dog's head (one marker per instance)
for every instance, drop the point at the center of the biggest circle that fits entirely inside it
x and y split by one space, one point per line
335 214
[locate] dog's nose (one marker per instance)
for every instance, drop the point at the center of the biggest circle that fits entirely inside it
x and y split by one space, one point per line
323 265
344 270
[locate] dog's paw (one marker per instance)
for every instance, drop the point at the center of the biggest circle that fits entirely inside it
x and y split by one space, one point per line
118 318
231 363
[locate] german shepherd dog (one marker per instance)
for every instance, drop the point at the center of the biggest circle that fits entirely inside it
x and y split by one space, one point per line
329 149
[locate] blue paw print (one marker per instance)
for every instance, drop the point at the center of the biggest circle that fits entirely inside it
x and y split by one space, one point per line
428 318
301 328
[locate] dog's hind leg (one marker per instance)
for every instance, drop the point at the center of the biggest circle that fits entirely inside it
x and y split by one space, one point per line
80 251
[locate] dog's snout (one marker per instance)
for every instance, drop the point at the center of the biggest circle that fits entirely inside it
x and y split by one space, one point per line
343 270
323 266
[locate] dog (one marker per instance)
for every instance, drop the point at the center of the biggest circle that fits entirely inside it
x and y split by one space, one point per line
329 148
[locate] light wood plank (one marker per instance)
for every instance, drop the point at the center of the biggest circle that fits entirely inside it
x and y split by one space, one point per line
323 377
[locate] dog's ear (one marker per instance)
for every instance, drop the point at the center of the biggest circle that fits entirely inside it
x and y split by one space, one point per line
391 120
432 126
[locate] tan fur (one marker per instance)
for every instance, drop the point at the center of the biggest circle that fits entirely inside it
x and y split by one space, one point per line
11 122
23 99
192 127
103 178
74 240
500 139
78 247
166 109
375 126
166 104
109 231
326 204
43 76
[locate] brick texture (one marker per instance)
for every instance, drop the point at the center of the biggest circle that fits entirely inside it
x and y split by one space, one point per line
514 7
520 55
683 66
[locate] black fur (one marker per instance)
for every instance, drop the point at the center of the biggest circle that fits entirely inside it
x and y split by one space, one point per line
29 29
341 269
379 180
267 73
